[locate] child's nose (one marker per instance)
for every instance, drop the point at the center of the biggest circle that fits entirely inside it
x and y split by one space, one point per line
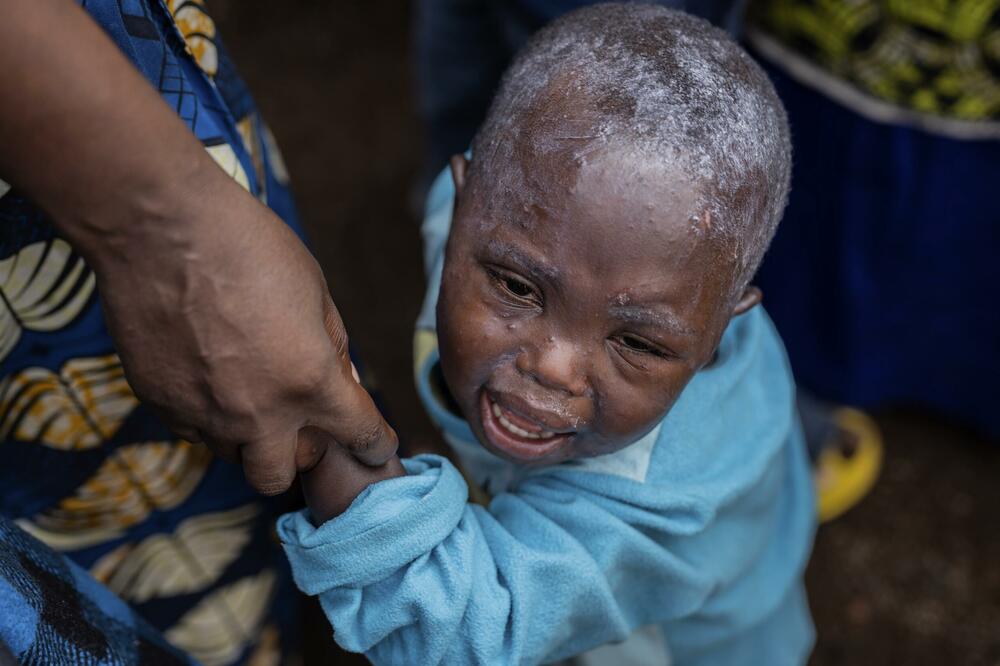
556 365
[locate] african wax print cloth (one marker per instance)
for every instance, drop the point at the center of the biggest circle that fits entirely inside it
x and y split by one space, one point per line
85 468
876 276
930 63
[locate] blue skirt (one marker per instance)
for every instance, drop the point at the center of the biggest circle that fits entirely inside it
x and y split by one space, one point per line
879 276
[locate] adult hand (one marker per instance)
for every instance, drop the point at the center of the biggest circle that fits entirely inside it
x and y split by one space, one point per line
224 325
221 317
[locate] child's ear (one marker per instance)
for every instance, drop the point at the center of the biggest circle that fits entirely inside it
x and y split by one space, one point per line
458 166
751 297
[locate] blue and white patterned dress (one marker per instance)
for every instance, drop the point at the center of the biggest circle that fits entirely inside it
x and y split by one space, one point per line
86 468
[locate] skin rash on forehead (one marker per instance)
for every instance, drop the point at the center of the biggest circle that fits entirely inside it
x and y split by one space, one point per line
602 211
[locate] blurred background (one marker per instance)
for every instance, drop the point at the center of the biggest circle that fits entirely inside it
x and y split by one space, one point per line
909 575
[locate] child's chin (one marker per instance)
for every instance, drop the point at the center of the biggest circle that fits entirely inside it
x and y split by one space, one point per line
553 458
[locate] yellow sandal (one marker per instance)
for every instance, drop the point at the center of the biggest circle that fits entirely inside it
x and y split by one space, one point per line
842 479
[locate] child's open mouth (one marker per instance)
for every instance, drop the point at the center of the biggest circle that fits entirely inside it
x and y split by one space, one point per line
517 435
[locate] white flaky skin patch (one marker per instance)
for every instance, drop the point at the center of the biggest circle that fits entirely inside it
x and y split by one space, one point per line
664 87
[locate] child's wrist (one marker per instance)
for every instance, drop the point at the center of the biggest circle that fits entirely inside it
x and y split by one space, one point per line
338 478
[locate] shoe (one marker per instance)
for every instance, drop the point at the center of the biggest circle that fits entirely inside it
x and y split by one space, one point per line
846 471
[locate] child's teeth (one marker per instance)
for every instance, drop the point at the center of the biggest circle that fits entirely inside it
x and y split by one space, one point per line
514 429
520 432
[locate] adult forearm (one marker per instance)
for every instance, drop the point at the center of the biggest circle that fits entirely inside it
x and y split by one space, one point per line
84 134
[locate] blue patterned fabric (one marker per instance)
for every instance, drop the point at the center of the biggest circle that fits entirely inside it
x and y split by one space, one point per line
55 613
87 469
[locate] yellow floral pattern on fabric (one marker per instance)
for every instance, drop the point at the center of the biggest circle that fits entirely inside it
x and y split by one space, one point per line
190 559
129 485
939 57
42 288
226 158
198 30
253 143
77 409
216 631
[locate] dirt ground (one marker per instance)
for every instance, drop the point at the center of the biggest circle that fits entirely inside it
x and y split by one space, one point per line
910 576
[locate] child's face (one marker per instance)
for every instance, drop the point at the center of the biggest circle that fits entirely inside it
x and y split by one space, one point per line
573 313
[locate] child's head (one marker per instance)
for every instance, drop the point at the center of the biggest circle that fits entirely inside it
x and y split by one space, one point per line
621 193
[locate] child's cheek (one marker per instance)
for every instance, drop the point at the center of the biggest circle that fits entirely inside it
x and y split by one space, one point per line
472 336
633 410
486 338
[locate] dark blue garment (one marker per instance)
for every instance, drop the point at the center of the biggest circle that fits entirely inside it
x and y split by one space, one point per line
879 274
53 612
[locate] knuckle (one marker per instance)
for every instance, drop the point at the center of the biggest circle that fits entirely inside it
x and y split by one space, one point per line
271 485
241 430
367 437
312 379
268 480
373 439
240 418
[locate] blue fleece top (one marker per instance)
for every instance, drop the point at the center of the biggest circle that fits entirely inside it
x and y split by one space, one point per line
687 547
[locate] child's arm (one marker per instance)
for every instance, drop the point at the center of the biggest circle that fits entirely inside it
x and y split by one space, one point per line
413 574
333 483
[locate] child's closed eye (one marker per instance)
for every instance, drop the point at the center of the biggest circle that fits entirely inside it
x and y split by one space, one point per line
634 344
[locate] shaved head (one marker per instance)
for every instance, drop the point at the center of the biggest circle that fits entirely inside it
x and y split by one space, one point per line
664 90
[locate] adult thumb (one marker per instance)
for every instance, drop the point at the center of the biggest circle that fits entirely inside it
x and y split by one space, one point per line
351 417
347 411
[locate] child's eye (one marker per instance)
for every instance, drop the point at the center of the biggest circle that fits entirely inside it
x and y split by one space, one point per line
515 287
637 345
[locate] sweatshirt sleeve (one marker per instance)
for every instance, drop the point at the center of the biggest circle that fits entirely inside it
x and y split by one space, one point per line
413 574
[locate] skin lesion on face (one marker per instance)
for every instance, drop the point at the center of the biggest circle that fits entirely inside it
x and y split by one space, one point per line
572 332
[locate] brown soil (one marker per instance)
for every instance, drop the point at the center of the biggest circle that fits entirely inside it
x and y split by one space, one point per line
910 576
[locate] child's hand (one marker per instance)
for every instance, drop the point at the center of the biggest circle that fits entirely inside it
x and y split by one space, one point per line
332 484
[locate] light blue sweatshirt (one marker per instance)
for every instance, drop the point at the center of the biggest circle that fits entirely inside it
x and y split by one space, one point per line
687 547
